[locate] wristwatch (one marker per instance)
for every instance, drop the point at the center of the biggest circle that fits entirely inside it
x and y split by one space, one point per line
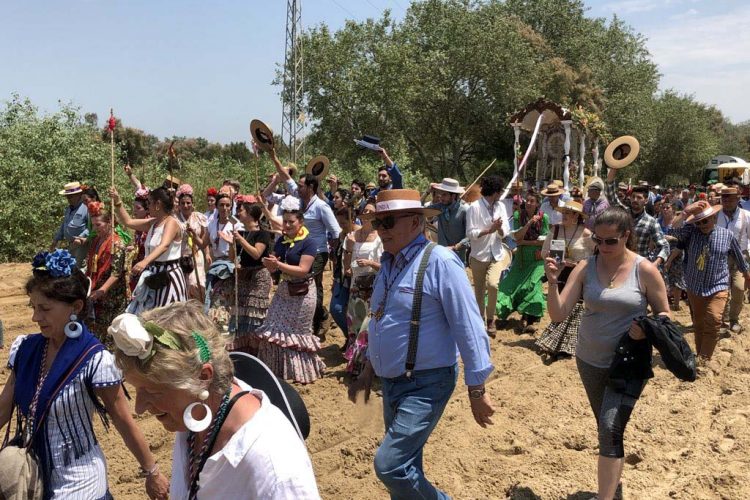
476 393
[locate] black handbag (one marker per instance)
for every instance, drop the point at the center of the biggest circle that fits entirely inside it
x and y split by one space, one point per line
157 281
298 288
187 264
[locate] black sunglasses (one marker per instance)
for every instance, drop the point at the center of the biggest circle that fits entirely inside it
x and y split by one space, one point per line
605 241
388 221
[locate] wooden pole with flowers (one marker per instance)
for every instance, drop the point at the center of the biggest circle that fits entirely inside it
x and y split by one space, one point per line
111 126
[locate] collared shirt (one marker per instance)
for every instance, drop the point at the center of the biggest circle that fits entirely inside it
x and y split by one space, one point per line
650 241
738 223
713 249
614 200
555 216
451 223
75 223
745 204
593 209
321 223
479 217
291 189
265 458
451 323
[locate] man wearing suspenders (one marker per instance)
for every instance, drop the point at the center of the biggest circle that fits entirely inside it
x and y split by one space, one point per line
422 315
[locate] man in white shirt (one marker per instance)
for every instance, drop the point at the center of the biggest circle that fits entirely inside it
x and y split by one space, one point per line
737 220
486 226
552 201
745 201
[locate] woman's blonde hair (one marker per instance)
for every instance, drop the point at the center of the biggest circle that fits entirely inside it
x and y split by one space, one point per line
181 368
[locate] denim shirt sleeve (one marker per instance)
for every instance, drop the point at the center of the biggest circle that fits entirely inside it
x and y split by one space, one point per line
396 178
466 325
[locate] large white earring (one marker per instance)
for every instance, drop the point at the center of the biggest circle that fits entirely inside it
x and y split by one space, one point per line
73 328
193 424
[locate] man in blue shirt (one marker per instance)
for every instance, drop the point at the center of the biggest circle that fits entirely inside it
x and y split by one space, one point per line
389 176
74 228
451 223
322 224
414 397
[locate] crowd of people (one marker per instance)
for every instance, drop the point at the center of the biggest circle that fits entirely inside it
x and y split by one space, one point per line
157 293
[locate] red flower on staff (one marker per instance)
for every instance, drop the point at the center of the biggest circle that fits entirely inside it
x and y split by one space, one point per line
111 124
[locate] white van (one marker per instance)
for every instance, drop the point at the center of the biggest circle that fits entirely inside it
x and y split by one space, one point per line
738 168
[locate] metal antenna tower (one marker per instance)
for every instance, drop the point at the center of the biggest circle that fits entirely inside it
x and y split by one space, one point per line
293 117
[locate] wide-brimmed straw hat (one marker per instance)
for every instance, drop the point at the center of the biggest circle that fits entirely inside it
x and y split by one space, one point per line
448 185
262 135
552 190
730 190
572 206
318 167
392 201
706 211
622 152
71 188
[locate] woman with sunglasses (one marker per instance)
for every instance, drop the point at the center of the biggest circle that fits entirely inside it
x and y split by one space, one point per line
361 262
617 286
287 344
521 290
559 338
673 267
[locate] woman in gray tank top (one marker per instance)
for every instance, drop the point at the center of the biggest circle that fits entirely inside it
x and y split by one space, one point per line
617 286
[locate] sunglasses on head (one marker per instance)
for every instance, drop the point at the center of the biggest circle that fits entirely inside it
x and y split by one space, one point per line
388 221
605 241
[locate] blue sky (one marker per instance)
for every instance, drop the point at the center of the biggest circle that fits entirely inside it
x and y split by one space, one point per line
204 68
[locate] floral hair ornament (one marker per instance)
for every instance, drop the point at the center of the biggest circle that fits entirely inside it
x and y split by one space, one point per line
212 192
142 193
185 189
290 204
137 339
58 264
95 208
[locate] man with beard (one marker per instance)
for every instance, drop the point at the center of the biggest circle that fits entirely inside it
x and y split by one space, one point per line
451 223
389 176
650 241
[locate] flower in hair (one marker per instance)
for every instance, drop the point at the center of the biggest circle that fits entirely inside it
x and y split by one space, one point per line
185 189
137 339
142 194
95 208
58 264
212 192
290 204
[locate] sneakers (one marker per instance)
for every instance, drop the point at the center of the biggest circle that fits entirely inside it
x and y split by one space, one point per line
735 327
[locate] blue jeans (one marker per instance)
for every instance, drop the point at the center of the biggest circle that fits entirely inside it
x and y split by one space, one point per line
411 410
339 304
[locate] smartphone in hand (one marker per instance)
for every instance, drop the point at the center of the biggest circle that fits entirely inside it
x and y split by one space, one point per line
557 250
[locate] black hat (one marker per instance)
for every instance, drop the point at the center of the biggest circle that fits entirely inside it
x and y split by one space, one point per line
368 142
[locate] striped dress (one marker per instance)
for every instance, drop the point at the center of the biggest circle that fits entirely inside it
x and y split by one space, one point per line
176 288
79 470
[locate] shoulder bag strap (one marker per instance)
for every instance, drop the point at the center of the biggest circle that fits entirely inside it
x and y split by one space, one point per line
416 311
38 424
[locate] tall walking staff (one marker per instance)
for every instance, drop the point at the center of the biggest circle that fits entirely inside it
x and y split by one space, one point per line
111 125
477 179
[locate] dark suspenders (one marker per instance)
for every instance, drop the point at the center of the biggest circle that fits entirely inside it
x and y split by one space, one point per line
416 311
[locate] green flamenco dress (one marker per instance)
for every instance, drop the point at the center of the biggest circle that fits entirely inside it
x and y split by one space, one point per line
521 289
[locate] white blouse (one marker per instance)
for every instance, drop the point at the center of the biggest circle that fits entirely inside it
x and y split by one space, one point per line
371 250
264 459
79 468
